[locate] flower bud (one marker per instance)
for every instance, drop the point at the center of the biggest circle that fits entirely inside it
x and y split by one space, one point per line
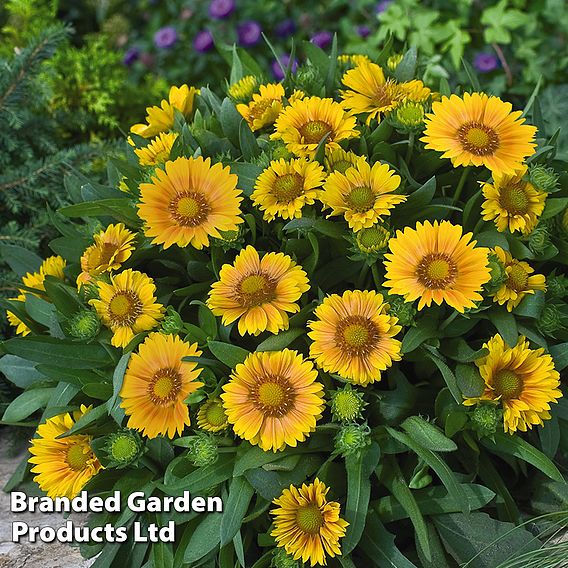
347 404
84 325
551 320
404 311
539 240
281 152
486 419
124 448
372 239
497 273
557 286
280 559
409 116
543 178
172 322
394 60
203 450
243 90
352 438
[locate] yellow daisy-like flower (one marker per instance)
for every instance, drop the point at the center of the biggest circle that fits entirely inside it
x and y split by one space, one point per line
519 282
340 160
307 525
353 335
283 188
363 195
265 106
63 466
354 59
111 248
158 151
212 416
244 88
259 292
273 399
513 203
303 124
127 305
21 328
51 266
161 118
297 95
189 202
436 262
478 130
524 380
156 383
369 92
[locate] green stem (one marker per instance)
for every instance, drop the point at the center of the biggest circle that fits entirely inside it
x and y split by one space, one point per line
376 276
449 320
460 186
410 148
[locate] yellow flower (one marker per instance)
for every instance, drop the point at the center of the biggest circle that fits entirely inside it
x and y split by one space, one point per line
512 203
363 195
283 188
127 305
265 107
524 380
62 466
519 282
158 151
112 247
259 292
434 262
189 202
303 124
307 525
478 130
273 399
161 118
156 383
369 92
211 416
21 328
244 88
353 335
339 160
297 95
355 59
51 266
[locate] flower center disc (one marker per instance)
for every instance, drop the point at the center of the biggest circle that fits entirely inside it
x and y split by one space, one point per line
165 386
102 254
436 271
375 237
255 290
216 415
342 166
518 279
312 132
189 209
77 458
356 335
124 448
124 308
507 384
478 139
288 187
273 396
361 199
514 199
258 108
309 519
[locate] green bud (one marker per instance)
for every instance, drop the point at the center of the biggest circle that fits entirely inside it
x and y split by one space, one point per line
280 559
84 325
230 239
543 178
352 438
551 320
497 273
557 286
307 78
372 239
404 311
172 322
409 116
281 152
347 404
124 448
539 240
243 90
486 419
262 160
394 60
203 450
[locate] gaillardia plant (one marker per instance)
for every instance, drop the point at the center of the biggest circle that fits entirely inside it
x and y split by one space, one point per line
337 302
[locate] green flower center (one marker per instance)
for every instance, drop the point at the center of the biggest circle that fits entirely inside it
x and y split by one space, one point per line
312 132
507 384
309 519
78 457
436 271
373 238
342 166
478 139
347 405
255 290
123 449
410 114
514 199
517 278
215 414
288 187
360 199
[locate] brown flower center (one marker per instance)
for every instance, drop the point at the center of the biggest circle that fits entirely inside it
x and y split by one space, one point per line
101 254
165 386
189 209
385 95
124 307
514 199
360 199
356 335
78 457
255 290
517 278
436 271
258 108
507 384
273 396
312 132
288 187
478 139
309 519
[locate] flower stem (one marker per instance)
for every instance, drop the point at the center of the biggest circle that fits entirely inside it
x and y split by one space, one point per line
410 148
461 184
376 277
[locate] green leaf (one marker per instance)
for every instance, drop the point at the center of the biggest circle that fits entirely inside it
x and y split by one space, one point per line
86 421
163 554
554 206
20 259
531 306
428 435
414 206
425 329
247 174
359 468
560 355
280 341
330 78
204 539
505 324
230 355
247 141
446 372
470 382
27 403
64 298
19 371
230 121
202 478
472 75
317 57
406 69
240 495
121 209
513 445
250 457
327 228
207 321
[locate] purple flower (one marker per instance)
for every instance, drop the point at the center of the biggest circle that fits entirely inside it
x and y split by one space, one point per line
249 33
131 55
322 39
220 9
363 31
284 62
203 41
285 28
485 62
382 6
165 37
